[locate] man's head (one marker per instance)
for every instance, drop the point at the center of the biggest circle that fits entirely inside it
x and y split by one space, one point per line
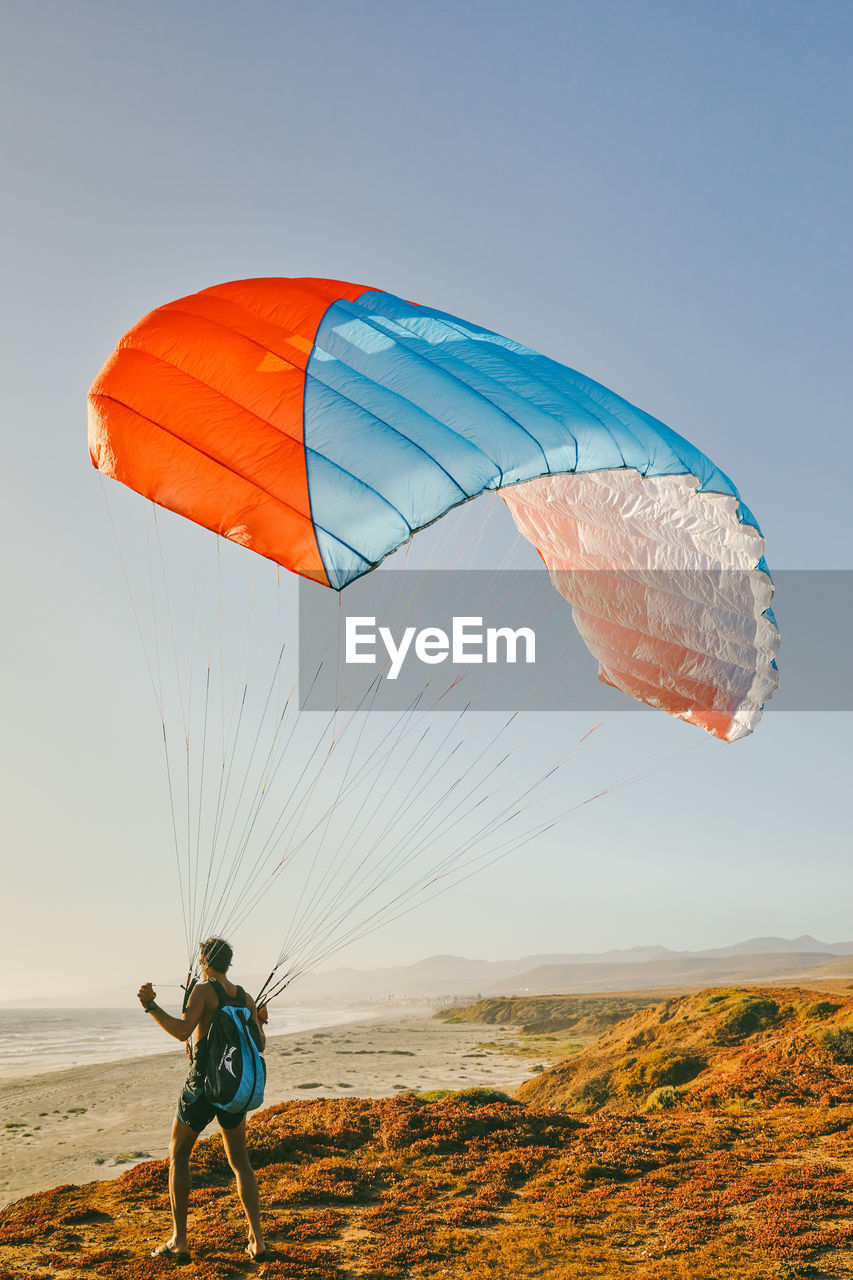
216 954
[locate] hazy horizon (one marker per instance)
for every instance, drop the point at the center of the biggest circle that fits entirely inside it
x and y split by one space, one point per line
123 995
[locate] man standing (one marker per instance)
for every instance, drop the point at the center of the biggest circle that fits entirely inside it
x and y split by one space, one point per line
195 1112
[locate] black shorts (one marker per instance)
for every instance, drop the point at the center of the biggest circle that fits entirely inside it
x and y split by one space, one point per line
194 1109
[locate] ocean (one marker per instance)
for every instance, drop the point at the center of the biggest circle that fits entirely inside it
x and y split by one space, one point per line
34 1041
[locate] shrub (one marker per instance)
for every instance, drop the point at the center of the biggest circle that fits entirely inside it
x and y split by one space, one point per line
662 1068
838 1041
594 1092
663 1099
821 1009
745 1018
482 1097
718 997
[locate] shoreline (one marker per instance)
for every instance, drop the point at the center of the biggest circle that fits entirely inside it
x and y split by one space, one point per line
40 1064
87 1123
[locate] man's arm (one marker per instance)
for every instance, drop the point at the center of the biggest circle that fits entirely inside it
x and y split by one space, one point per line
183 1027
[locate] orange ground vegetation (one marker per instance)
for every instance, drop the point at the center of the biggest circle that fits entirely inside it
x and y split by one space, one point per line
738 1172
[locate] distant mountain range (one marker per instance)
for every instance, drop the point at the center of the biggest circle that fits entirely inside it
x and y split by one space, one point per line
633 969
636 968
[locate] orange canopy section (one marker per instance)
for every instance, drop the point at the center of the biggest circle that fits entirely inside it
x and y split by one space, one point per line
200 407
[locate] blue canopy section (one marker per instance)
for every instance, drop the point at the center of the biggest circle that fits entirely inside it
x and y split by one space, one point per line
409 412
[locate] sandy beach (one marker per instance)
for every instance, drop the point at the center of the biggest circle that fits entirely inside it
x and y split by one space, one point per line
92 1122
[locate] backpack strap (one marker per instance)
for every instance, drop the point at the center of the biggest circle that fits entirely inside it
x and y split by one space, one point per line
222 995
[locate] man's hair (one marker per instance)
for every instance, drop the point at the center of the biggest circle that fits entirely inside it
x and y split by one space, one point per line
217 953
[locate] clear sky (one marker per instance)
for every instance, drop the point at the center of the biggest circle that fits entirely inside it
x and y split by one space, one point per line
658 194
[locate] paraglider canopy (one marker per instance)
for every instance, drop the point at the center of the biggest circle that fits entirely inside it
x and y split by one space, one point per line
321 424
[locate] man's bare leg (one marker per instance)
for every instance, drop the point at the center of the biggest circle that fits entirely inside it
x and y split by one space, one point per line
183 1140
247 1183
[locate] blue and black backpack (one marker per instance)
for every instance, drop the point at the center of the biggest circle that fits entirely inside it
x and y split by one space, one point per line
235 1072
